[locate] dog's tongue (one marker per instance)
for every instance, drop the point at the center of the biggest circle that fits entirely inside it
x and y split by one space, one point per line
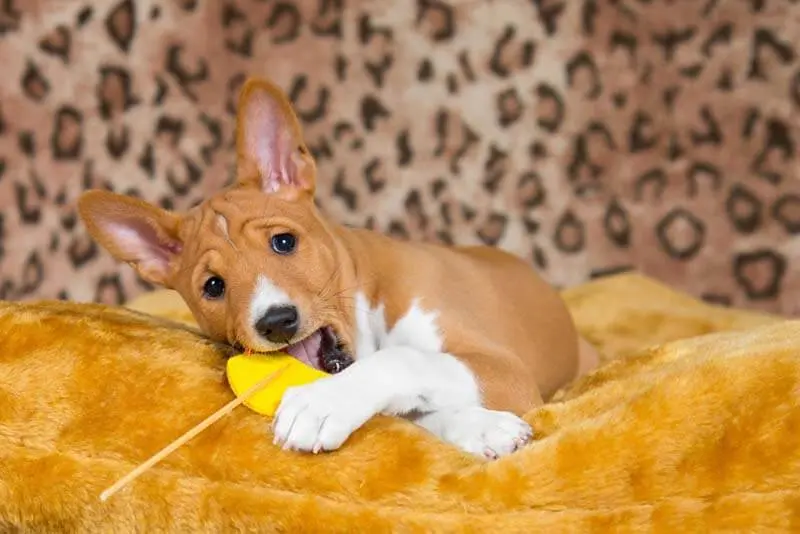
307 351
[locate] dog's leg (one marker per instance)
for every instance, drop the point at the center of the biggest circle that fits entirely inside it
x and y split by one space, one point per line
435 390
477 430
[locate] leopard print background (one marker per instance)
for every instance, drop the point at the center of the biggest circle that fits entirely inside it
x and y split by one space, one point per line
589 137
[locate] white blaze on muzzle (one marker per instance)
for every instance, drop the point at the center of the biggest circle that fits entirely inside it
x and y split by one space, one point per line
266 295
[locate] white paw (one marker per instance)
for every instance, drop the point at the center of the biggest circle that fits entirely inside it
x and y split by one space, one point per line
482 432
320 416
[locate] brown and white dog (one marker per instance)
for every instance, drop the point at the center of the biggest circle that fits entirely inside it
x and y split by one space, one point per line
461 340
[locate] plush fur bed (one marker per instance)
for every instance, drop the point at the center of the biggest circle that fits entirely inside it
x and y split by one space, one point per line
695 433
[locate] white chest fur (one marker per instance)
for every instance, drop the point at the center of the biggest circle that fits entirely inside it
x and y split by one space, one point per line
399 370
417 329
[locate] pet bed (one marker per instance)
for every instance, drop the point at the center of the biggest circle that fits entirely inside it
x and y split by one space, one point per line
692 424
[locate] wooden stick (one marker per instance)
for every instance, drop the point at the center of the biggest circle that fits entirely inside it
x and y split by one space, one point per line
169 449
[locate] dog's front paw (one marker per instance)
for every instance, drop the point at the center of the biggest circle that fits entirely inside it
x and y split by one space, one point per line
482 432
320 416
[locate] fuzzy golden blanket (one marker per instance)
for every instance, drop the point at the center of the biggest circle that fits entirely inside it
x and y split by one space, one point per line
694 433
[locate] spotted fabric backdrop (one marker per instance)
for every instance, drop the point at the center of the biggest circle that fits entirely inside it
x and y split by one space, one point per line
588 137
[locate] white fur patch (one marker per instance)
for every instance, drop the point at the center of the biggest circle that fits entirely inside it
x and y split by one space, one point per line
398 371
370 326
392 381
222 223
475 429
265 295
417 329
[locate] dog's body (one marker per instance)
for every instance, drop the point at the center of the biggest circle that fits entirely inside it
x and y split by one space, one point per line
461 340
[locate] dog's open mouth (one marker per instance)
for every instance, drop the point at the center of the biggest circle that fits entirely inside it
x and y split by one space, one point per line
321 350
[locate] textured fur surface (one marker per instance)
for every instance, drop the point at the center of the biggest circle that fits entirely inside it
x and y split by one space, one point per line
692 434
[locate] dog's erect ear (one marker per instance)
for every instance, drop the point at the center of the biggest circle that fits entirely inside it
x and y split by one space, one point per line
269 142
133 231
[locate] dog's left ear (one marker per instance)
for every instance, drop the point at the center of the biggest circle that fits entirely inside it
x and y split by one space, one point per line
140 234
269 142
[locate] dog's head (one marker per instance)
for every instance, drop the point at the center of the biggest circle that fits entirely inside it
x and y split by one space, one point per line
256 263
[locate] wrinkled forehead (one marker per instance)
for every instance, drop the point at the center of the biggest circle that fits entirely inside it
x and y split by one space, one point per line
242 221
229 211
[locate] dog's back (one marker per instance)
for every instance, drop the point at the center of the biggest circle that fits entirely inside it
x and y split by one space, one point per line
487 300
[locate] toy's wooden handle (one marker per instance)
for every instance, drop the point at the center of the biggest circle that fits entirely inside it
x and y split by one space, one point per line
207 422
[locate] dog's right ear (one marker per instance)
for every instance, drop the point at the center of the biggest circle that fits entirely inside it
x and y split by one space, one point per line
271 153
133 231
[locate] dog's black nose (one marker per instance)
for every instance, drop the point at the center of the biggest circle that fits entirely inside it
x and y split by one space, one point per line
279 324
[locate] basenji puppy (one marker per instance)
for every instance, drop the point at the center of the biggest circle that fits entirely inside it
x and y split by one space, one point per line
460 340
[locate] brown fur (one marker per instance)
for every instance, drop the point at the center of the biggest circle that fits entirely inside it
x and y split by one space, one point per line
695 435
496 314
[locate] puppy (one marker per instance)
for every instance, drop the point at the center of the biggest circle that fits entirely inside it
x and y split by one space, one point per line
460 340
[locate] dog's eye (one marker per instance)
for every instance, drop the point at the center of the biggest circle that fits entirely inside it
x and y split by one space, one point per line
214 288
284 243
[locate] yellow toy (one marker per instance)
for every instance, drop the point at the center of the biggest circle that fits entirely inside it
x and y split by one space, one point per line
258 381
246 370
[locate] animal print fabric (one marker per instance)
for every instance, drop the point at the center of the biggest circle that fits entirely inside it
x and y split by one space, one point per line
589 137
